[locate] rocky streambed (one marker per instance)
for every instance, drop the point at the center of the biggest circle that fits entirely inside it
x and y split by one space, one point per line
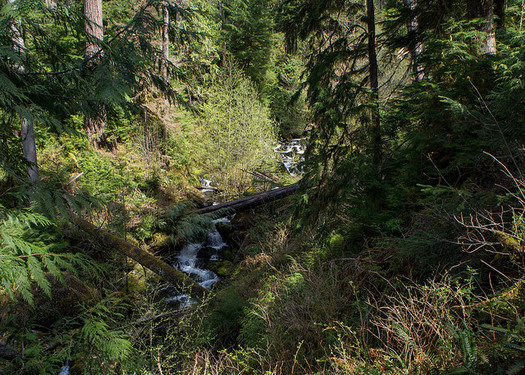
207 262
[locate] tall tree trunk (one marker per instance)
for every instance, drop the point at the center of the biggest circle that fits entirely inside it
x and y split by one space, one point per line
374 84
165 41
26 124
95 124
440 16
94 28
29 146
415 44
499 12
483 9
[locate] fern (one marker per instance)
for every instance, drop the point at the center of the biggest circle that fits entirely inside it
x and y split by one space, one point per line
103 345
515 338
181 225
517 367
405 336
29 250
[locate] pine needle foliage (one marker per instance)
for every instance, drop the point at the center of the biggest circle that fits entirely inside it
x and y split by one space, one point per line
248 30
342 144
57 82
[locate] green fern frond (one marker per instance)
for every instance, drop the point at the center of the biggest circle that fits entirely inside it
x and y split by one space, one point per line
29 250
517 367
109 344
36 271
514 346
403 334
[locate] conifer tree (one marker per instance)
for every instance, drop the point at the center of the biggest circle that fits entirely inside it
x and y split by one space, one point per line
248 34
27 127
499 12
415 42
483 10
95 122
374 83
165 41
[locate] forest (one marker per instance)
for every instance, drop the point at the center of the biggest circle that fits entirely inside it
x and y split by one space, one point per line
262 187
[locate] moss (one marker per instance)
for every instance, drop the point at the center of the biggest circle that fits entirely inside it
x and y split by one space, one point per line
223 268
510 245
160 241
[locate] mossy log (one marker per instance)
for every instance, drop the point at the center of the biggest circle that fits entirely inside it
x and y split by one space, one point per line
167 272
251 201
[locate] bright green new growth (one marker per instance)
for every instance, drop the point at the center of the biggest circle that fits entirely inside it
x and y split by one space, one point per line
30 251
237 132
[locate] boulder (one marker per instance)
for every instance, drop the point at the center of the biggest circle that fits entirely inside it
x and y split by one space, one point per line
225 229
206 252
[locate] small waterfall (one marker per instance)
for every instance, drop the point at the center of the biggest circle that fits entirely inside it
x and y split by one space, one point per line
193 255
290 155
206 186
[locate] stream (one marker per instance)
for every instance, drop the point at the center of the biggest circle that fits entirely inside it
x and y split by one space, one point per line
194 256
290 155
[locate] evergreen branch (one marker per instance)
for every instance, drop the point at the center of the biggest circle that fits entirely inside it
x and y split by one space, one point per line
499 128
98 53
43 255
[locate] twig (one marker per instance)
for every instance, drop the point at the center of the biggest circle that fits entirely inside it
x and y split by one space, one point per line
498 125
73 180
495 269
144 320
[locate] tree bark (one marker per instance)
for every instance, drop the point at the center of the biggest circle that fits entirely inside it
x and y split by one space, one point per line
415 44
167 272
29 146
26 124
499 12
165 42
51 4
483 9
374 84
95 124
440 16
94 27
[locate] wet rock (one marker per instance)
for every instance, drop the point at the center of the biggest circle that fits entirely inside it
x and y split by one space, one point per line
243 221
161 244
225 229
194 195
167 291
206 252
223 268
226 253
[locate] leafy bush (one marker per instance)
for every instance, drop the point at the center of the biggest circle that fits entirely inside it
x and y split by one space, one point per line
238 133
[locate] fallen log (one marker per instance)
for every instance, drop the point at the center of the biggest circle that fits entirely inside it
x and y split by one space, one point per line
167 272
251 201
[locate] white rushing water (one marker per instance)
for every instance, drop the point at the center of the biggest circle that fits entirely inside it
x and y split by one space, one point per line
206 186
290 155
188 261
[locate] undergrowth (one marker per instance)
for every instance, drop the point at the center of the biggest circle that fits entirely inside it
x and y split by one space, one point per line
304 304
